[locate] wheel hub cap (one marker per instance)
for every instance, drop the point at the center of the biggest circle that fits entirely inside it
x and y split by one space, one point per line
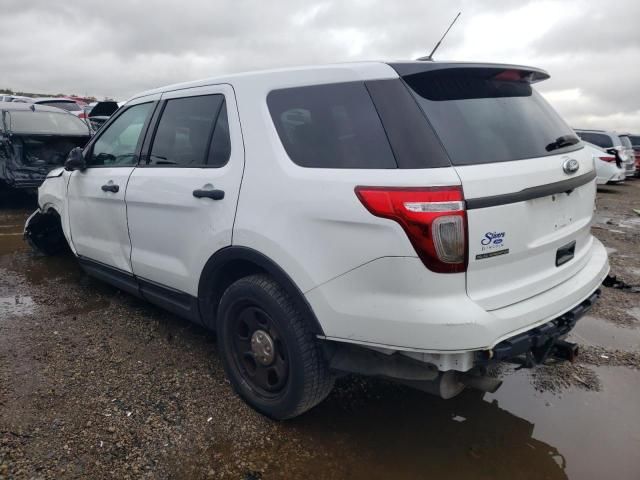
262 347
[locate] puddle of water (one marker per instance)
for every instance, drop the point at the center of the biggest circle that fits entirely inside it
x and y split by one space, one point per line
11 243
517 432
17 305
599 332
596 433
11 227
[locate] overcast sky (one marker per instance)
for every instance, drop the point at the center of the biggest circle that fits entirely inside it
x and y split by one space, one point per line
118 47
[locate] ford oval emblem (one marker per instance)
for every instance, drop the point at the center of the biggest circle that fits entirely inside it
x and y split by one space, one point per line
570 165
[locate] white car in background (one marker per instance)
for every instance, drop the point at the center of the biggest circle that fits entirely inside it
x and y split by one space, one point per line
611 141
608 169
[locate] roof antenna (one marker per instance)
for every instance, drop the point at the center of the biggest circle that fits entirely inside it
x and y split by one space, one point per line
429 58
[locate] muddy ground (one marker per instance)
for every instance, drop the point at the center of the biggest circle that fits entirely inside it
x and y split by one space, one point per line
97 384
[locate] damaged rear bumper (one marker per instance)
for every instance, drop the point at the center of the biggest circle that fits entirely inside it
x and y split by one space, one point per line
536 345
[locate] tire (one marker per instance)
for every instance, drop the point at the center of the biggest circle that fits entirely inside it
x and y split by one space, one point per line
286 380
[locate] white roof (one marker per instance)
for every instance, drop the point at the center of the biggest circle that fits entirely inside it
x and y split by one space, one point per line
341 72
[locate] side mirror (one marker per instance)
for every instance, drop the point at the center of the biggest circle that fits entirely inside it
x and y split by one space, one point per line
75 160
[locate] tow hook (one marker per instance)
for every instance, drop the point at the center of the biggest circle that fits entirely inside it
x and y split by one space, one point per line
552 348
565 350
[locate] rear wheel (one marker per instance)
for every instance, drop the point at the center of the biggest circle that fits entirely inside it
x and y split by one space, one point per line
269 353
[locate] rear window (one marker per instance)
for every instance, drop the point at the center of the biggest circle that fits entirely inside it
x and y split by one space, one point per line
330 126
45 123
488 115
635 140
599 139
68 106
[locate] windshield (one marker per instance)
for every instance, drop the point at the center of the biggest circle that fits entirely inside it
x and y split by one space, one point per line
65 105
487 115
45 123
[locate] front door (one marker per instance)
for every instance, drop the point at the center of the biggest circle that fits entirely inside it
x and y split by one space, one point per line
97 212
181 200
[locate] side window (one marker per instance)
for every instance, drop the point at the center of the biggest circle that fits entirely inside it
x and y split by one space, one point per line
117 144
192 132
330 126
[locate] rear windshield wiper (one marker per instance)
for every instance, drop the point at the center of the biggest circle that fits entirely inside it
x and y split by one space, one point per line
563 141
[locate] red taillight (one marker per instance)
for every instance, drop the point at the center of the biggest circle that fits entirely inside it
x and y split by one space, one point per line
82 115
608 159
434 219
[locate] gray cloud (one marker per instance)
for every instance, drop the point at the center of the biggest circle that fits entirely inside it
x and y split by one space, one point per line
117 48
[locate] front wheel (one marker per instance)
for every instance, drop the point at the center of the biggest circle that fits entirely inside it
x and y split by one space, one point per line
270 354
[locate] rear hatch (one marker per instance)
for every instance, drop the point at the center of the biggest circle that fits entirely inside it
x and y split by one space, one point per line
528 182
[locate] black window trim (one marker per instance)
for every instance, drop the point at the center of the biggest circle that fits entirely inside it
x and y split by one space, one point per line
363 83
88 151
143 158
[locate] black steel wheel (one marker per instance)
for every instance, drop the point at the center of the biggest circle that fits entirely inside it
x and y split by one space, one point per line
271 356
259 351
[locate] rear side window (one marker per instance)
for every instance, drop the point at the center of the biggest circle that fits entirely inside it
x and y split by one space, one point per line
635 140
488 115
186 130
330 126
599 139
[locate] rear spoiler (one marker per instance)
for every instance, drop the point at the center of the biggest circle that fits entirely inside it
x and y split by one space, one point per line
532 74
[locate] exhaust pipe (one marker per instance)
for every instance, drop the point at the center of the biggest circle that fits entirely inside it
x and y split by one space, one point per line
481 382
449 384
564 350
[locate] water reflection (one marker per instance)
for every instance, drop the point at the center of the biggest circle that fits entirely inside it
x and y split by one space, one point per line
406 434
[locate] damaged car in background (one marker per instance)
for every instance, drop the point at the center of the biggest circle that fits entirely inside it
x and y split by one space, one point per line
34 140
101 112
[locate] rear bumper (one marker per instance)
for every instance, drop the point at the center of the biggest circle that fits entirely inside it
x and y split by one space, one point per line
395 303
540 336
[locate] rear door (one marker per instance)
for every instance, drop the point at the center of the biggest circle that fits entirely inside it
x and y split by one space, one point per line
528 182
181 201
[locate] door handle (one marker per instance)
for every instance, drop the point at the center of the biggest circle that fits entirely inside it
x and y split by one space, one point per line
212 194
110 187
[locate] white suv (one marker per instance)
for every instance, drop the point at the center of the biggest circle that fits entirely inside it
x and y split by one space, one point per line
416 220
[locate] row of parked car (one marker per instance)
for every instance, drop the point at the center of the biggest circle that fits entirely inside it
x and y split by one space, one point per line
36 135
617 156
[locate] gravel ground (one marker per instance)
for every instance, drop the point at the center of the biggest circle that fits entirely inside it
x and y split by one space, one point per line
97 384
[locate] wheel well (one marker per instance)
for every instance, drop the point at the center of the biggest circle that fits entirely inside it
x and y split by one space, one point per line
232 263
44 232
